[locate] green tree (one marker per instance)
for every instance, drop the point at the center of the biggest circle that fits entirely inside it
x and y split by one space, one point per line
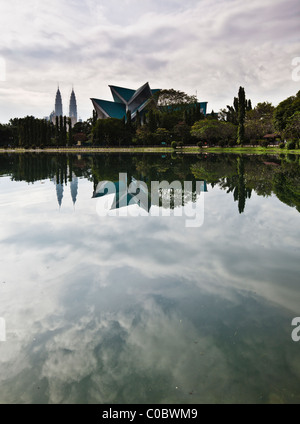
109 132
6 135
129 128
144 136
171 99
94 118
211 132
292 129
182 132
64 132
259 122
138 122
241 116
151 121
70 132
162 135
285 110
61 131
231 113
56 139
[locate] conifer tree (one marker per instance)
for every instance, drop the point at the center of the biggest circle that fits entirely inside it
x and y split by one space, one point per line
138 120
241 115
64 135
70 132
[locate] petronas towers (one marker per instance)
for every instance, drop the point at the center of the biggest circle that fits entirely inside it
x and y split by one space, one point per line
73 108
58 111
58 104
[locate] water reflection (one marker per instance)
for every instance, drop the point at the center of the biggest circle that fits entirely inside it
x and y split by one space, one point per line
73 180
239 175
123 196
107 310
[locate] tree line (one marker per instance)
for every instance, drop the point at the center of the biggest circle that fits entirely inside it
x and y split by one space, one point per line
172 118
241 124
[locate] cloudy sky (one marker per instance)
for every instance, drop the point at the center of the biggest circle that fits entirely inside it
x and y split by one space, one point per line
204 46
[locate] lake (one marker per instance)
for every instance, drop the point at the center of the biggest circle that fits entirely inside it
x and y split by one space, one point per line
142 303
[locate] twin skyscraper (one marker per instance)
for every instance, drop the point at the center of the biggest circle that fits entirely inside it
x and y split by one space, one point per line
58 111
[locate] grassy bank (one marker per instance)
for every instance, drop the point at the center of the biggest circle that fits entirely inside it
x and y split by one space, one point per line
245 150
184 150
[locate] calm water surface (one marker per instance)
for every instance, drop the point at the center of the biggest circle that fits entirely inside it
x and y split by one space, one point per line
108 309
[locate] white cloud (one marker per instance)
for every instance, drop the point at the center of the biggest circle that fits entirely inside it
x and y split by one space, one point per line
209 47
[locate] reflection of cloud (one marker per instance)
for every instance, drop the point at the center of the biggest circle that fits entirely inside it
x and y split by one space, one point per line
103 309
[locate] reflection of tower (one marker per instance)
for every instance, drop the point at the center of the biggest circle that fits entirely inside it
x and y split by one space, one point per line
73 108
58 104
60 189
74 188
60 192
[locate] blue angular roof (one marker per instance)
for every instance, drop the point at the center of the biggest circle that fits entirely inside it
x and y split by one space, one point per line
125 93
125 99
113 109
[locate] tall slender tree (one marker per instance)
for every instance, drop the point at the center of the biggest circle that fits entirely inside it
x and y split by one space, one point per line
138 120
70 136
61 124
64 135
241 115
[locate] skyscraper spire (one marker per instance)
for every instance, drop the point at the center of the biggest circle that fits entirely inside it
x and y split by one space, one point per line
73 108
58 104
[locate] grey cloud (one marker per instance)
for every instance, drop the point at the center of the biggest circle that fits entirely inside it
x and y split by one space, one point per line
175 43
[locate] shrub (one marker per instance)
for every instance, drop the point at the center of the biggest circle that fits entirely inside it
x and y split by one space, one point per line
264 143
291 145
282 145
174 145
231 142
200 144
180 144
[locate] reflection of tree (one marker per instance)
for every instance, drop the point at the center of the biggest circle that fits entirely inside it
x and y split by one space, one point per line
171 199
243 175
237 175
286 185
237 184
242 191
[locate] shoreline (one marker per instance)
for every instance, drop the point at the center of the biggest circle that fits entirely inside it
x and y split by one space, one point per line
184 150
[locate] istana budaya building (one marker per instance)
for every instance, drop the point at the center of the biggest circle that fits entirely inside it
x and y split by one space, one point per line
126 99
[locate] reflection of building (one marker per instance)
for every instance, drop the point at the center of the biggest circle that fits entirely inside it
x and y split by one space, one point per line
167 195
125 100
60 189
122 198
74 188
59 192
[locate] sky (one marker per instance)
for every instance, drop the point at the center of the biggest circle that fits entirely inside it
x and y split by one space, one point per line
204 47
